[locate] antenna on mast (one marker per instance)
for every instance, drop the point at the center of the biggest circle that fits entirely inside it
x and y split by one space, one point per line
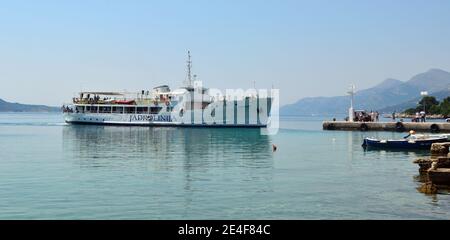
189 67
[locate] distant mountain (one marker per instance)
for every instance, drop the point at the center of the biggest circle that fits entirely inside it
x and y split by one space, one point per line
390 92
432 81
17 107
388 83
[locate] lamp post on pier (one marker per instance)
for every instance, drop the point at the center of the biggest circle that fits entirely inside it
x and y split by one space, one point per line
424 102
351 112
424 94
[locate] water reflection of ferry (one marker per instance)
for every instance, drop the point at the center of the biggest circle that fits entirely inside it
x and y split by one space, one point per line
190 105
110 145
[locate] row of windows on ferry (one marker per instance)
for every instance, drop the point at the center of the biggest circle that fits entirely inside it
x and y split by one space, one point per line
121 109
136 109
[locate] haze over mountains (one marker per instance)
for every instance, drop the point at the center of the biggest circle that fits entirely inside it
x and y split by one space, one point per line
389 95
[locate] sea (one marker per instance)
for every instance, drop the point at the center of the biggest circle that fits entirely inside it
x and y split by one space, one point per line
53 170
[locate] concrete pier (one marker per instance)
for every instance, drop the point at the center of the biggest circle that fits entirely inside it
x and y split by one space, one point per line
434 127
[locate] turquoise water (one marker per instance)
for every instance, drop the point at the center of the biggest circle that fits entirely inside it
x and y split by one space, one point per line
50 170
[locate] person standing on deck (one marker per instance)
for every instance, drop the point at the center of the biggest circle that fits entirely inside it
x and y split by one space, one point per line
393 116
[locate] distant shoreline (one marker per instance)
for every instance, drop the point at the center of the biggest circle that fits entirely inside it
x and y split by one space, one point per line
19 107
402 115
55 111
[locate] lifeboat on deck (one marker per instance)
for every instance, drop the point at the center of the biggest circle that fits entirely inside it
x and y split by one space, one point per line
125 102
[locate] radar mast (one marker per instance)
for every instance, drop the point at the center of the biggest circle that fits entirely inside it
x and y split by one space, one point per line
189 70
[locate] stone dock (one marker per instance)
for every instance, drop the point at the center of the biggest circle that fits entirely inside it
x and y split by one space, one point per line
434 127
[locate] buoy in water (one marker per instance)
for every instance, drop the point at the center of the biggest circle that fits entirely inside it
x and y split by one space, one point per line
274 147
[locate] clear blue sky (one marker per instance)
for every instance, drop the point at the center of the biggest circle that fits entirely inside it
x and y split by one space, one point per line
49 50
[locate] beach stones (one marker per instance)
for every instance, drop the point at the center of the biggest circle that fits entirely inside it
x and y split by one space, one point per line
439 176
440 148
436 169
424 164
428 188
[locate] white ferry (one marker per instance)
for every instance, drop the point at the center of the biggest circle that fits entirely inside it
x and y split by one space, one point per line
191 105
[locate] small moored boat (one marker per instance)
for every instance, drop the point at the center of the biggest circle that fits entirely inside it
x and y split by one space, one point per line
409 142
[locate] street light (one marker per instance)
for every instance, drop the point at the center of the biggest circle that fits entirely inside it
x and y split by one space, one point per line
351 92
424 94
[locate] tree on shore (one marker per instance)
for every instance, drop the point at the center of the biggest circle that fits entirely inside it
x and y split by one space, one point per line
445 107
431 106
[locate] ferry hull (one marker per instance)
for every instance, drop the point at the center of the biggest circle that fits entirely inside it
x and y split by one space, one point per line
167 125
140 120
